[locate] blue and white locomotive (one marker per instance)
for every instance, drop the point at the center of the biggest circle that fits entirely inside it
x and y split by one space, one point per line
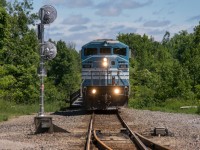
105 74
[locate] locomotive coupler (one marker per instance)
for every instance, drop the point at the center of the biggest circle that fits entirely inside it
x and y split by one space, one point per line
107 99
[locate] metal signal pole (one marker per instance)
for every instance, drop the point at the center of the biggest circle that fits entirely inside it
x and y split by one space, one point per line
48 51
42 72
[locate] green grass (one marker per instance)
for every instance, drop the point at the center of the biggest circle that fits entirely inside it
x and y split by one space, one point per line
170 105
10 109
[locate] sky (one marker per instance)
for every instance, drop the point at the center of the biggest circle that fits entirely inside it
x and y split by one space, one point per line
81 21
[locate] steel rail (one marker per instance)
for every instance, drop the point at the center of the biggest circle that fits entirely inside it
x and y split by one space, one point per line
140 140
132 135
151 144
87 146
102 145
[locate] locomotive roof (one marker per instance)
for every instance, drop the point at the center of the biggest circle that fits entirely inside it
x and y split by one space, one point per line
102 42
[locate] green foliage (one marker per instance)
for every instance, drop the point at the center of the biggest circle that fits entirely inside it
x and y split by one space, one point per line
198 110
64 71
19 55
10 109
3 27
170 105
164 71
19 60
3 3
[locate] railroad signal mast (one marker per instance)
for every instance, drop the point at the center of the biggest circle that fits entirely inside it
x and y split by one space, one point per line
48 51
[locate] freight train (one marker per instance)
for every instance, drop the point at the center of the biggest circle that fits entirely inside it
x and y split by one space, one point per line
105 74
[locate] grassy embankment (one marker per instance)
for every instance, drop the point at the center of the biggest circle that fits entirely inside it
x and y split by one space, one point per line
171 105
9 109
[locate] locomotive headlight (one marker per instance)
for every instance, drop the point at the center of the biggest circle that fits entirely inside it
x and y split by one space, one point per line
116 91
94 91
105 62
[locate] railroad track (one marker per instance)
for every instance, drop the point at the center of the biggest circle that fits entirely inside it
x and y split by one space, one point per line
108 131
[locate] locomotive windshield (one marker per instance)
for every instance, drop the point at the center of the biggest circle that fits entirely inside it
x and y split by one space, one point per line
105 51
90 51
120 51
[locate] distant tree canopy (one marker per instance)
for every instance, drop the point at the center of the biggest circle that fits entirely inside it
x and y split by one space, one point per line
19 59
164 70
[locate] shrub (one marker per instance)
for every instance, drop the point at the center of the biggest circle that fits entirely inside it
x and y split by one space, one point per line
198 110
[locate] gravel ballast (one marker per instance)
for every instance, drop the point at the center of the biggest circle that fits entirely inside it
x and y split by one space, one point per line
18 133
184 129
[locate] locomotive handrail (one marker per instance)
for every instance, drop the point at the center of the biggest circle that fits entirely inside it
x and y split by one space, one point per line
90 73
74 96
81 88
124 76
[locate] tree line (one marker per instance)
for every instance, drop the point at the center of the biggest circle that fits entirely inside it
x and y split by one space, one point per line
159 71
19 59
164 70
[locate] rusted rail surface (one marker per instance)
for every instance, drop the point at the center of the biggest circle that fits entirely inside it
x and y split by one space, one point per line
151 144
99 142
141 142
88 141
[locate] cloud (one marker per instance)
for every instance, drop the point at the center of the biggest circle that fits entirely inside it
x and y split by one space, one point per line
171 12
118 27
139 19
71 3
194 18
108 8
80 39
123 29
77 28
75 19
132 4
157 12
156 32
98 26
156 23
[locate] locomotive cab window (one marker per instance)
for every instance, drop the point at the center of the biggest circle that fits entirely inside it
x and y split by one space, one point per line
120 51
105 51
90 51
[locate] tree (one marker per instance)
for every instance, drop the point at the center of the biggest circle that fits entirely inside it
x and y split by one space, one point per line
3 3
64 70
19 55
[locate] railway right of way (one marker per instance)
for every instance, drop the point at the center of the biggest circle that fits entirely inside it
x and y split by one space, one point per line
108 130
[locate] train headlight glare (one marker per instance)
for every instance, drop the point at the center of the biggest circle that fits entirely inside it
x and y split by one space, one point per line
105 63
116 91
94 91
105 59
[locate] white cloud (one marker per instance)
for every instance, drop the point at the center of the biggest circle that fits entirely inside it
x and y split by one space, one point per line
109 11
76 19
77 28
156 23
110 8
71 3
194 18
